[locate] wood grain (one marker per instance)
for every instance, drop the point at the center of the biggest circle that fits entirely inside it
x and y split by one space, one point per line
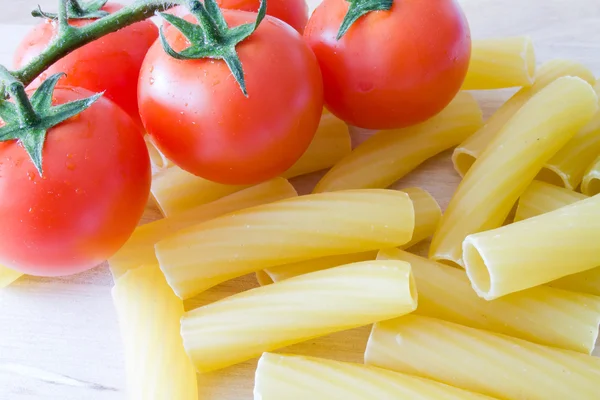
59 337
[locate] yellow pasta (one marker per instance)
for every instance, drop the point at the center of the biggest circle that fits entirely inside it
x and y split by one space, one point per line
263 278
286 231
540 198
534 251
513 158
590 184
158 160
480 361
139 248
157 367
500 63
8 275
585 282
293 377
389 155
543 315
176 190
466 153
330 144
247 324
427 215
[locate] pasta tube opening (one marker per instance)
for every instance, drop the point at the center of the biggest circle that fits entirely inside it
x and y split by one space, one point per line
477 271
591 181
593 186
157 159
554 176
263 278
463 159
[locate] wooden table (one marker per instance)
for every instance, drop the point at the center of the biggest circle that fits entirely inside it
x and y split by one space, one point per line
59 337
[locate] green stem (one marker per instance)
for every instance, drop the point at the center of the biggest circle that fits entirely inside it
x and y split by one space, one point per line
63 19
26 113
73 39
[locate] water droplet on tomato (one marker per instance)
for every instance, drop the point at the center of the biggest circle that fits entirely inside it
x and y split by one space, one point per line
69 155
70 165
151 68
31 176
151 80
78 191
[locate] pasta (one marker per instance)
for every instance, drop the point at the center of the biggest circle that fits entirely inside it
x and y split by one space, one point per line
500 63
543 315
389 155
427 215
467 152
284 232
158 160
263 278
513 158
139 248
542 249
541 197
8 276
590 184
245 325
330 144
157 367
176 190
299 378
585 282
481 361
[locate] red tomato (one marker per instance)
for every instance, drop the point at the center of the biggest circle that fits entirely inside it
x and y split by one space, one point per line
110 64
292 12
93 192
392 68
199 118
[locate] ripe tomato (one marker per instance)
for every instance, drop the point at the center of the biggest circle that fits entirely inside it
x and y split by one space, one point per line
292 12
199 118
110 64
92 194
392 68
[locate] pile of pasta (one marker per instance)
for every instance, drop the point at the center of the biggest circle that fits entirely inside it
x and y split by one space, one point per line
506 305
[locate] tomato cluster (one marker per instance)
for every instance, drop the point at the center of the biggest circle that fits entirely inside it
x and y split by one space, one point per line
392 67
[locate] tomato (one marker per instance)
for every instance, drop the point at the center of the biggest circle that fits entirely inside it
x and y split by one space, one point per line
199 118
392 68
110 64
95 184
292 12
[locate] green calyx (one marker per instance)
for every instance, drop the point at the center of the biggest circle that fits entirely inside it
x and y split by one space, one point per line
211 37
358 8
76 10
28 120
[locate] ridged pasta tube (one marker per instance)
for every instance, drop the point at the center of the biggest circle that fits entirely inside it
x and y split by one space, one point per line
590 185
286 231
541 197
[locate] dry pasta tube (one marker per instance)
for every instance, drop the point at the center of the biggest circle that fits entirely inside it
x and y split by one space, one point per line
467 152
157 367
8 276
542 315
158 160
283 232
176 190
139 248
590 185
427 216
513 158
293 377
483 362
568 166
541 197
585 282
500 63
534 251
330 144
389 155
247 324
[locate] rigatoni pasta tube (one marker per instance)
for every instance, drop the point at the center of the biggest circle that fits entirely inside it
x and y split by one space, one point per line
500 63
590 185
480 361
157 367
286 231
543 315
330 144
247 324
158 160
513 158
139 248
389 155
467 152
427 215
540 249
8 275
293 377
585 282
541 197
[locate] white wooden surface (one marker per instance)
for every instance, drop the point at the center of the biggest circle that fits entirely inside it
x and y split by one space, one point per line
59 337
